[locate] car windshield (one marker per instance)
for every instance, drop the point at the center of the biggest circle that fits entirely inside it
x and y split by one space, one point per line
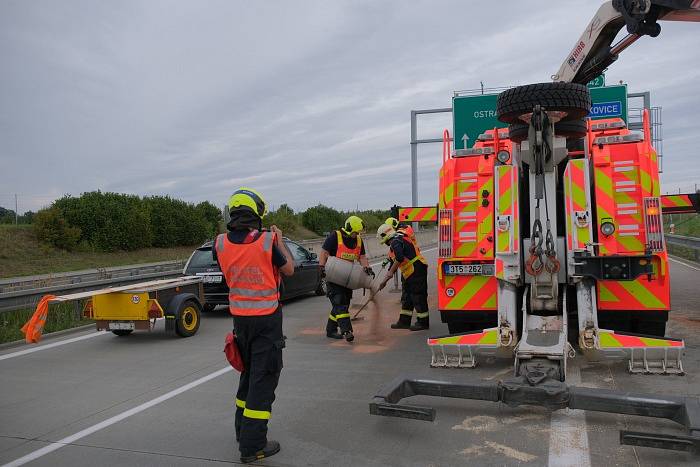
202 259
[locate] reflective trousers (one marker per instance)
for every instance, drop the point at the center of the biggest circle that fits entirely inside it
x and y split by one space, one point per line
260 341
339 317
414 295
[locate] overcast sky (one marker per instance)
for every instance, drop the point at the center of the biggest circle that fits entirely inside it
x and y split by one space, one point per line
306 101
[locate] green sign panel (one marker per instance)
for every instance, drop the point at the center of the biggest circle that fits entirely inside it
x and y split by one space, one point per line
597 82
473 115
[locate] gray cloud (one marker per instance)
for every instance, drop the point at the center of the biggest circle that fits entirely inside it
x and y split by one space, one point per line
307 101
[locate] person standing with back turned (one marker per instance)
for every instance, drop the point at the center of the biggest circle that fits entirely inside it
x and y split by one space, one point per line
251 260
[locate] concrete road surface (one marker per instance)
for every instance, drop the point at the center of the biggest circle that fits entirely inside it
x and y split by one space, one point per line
154 400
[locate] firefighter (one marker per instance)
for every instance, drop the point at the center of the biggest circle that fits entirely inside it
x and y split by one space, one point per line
401 227
406 257
345 244
251 260
406 301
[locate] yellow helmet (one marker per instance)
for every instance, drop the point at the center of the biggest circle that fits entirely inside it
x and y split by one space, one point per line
249 198
353 224
392 221
385 232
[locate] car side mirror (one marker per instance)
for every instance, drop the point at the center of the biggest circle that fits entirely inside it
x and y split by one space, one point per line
313 256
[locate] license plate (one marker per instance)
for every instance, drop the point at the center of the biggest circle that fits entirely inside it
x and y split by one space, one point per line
211 278
121 326
469 269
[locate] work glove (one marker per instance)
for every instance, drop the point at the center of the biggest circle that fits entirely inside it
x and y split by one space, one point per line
369 272
386 262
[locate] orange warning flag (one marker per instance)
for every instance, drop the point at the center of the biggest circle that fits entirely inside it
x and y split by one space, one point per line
32 329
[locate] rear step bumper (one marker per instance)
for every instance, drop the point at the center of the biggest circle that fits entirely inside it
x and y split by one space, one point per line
554 396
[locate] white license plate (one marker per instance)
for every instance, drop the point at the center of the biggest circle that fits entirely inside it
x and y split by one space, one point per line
121 326
211 278
469 269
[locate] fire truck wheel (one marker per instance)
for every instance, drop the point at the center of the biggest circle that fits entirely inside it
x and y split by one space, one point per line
571 98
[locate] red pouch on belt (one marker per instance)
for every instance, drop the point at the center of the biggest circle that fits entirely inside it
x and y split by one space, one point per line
233 354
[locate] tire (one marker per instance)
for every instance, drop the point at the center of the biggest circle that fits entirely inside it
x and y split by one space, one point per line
187 318
122 332
572 98
322 288
209 307
575 129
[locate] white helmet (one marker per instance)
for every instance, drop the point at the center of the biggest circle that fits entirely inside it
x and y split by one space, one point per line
385 232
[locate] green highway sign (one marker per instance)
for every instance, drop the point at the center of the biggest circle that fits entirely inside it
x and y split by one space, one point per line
473 115
609 101
597 82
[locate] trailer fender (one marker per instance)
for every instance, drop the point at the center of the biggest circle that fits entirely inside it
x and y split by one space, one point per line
172 308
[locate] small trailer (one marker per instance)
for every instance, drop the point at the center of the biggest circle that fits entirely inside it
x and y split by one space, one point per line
127 308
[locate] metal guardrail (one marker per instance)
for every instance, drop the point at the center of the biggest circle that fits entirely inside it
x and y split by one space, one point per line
687 242
24 292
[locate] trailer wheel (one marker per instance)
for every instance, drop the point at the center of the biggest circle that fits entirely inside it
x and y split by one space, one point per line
122 332
571 98
187 318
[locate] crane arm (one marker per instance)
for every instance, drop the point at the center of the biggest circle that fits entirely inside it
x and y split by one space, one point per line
595 51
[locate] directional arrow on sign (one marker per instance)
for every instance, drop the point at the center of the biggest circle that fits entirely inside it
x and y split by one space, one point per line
465 138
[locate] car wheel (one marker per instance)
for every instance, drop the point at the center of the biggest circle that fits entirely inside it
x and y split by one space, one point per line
322 288
122 332
187 318
572 98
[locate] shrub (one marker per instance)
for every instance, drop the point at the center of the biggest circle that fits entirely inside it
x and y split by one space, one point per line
52 228
284 218
321 219
212 215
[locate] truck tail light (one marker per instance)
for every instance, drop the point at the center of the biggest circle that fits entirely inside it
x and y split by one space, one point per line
653 223
445 233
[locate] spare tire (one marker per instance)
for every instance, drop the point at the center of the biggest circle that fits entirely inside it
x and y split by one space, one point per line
568 129
572 98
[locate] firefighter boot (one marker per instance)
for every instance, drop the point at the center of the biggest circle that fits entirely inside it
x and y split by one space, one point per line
421 324
349 336
270 449
404 321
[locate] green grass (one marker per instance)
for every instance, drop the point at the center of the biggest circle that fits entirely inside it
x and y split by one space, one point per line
61 316
21 254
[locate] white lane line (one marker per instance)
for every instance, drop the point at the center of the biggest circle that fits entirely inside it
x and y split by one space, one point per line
111 421
684 264
568 435
39 348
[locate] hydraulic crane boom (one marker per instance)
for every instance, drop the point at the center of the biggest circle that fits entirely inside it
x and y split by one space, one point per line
595 51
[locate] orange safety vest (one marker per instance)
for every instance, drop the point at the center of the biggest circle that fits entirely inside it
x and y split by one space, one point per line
348 254
406 266
252 279
408 232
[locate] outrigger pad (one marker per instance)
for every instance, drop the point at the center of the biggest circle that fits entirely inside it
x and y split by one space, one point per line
647 354
554 395
461 350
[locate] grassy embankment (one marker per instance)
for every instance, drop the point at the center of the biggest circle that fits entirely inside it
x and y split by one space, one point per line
22 255
687 225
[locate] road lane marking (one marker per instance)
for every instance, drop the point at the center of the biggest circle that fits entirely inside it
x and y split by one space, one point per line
568 435
112 420
684 264
39 348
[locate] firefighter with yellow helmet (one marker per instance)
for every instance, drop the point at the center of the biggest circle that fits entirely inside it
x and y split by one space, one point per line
405 256
346 244
251 260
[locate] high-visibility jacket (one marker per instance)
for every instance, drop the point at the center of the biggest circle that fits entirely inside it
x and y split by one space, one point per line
408 232
348 254
406 266
252 279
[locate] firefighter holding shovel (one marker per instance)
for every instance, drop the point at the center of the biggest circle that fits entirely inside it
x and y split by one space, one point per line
406 257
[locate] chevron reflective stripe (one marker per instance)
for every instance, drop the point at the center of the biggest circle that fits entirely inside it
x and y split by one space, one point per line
418 214
485 230
507 240
485 337
611 340
468 293
678 204
240 403
257 414
576 197
639 294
